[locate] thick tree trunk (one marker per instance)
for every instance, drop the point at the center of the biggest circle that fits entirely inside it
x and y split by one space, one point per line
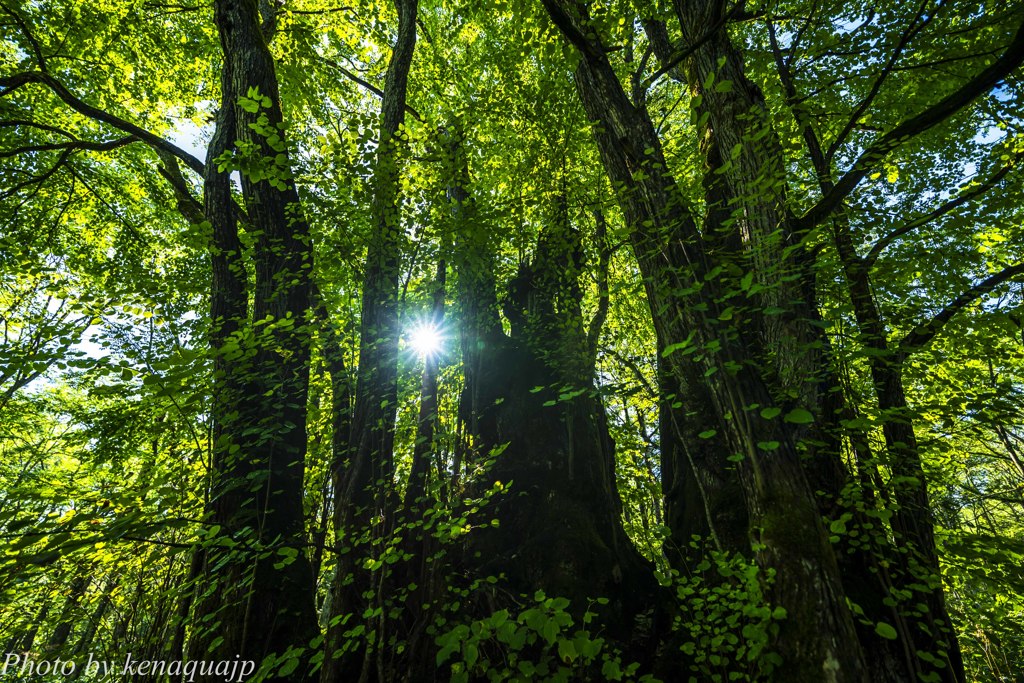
540 425
559 523
688 289
262 371
700 485
912 519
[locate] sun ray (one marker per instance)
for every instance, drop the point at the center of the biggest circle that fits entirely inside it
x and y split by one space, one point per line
426 339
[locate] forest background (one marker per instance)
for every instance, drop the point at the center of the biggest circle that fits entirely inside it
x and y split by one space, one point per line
514 340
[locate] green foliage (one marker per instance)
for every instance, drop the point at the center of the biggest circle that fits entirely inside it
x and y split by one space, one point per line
107 382
538 643
725 627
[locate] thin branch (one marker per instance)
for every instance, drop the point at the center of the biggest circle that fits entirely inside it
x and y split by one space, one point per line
680 55
176 9
9 83
931 64
368 86
799 36
35 124
36 50
631 365
189 207
908 35
105 146
934 115
961 199
320 11
132 227
639 89
921 335
39 179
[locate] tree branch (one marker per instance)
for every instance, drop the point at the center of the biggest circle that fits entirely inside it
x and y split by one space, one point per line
368 86
926 331
959 200
601 314
633 367
9 83
189 207
679 56
328 10
7 123
36 50
105 146
38 179
934 115
916 26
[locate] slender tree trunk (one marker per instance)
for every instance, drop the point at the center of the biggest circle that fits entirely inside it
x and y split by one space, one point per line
176 648
26 639
421 569
425 424
368 471
66 621
85 640
912 518
84 645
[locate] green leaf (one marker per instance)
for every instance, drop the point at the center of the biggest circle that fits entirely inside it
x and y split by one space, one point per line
290 665
672 348
800 416
471 654
611 670
886 631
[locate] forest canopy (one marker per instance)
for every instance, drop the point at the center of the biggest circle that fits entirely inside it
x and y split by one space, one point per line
520 340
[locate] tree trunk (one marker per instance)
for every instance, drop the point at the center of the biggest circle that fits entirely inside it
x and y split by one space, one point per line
541 430
912 520
262 370
368 470
425 424
691 290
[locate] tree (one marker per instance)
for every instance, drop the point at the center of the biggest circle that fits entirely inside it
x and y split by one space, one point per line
728 300
258 446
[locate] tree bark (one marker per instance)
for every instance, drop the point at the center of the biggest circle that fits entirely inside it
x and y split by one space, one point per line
261 369
541 430
912 520
368 471
423 447
688 285
66 621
